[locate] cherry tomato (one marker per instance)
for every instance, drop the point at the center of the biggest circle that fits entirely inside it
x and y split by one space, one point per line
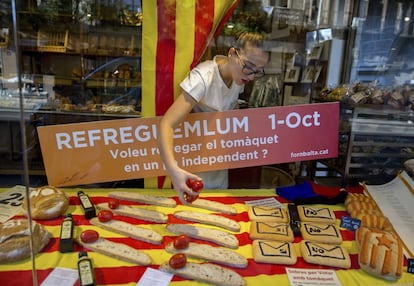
113 203
89 236
195 185
178 260
181 241
190 198
105 215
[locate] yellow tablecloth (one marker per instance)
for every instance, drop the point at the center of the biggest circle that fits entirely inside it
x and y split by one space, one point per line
110 271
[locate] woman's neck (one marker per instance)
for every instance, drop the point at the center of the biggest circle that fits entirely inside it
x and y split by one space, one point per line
223 66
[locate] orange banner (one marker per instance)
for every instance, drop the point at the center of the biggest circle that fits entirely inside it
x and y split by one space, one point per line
114 150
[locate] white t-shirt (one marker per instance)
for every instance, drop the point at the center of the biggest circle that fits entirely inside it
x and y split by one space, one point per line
206 86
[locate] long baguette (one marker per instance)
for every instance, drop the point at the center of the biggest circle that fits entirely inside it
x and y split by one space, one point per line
136 212
130 230
219 237
145 199
210 219
213 206
118 250
208 273
210 253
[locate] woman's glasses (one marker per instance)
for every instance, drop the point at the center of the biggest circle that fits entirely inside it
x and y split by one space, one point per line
247 70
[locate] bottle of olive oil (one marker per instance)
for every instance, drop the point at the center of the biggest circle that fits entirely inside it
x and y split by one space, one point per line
85 270
66 234
87 205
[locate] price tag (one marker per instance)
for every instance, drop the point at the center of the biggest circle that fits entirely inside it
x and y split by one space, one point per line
11 202
350 223
410 267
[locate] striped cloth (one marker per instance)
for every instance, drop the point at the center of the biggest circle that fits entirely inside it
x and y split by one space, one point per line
174 37
110 271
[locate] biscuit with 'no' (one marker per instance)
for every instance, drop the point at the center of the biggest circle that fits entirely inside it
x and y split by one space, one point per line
326 233
325 254
312 214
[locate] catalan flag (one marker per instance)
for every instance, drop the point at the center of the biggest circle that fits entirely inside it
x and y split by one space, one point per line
174 37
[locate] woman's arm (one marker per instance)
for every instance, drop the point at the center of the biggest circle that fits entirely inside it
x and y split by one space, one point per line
176 114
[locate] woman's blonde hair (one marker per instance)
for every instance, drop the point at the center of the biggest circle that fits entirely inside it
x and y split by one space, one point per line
249 38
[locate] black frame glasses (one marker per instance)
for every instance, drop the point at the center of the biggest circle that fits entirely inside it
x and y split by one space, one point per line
248 70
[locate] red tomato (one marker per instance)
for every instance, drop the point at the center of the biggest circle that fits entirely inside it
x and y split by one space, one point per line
190 198
89 236
195 185
178 260
181 241
113 203
105 215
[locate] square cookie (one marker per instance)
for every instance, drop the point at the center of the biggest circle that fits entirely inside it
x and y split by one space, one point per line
266 213
271 231
274 252
319 232
311 214
325 254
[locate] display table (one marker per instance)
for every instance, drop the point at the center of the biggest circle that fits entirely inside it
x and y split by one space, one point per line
110 271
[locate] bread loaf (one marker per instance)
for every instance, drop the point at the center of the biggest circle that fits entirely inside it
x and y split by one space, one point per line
15 240
117 250
375 221
46 202
381 255
213 206
325 254
274 252
208 273
266 213
136 212
145 199
210 253
209 219
219 237
130 230
271 231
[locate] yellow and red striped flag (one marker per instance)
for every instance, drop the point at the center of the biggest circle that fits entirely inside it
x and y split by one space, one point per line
174 37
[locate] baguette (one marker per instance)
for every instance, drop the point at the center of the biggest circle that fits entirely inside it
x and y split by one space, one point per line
210 253
208 273
130 230
219 237
117 250
139 213
145 199
209 219
213 206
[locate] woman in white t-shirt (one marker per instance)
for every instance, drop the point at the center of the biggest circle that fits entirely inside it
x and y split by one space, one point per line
213 85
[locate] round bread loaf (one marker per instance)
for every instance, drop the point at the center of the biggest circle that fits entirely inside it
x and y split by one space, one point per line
15 240
47 202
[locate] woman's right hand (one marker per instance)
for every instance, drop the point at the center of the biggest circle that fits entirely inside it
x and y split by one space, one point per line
179 179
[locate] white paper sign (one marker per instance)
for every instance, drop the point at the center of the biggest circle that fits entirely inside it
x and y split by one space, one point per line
303 277
153 277
11 202
268 202
61 277
396 201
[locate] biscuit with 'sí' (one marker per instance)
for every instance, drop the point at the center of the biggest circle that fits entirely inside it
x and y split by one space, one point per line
274 252
267 213
271 231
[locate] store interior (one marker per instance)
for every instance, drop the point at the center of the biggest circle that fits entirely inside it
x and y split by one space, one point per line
80 63
356 53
